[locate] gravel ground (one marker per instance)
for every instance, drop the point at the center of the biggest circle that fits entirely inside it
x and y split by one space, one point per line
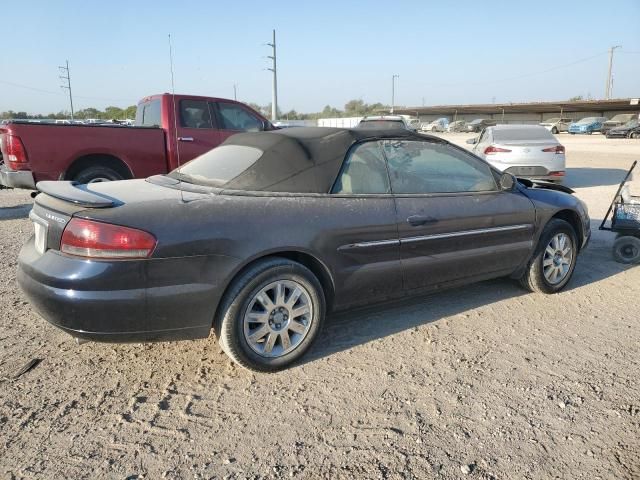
485 382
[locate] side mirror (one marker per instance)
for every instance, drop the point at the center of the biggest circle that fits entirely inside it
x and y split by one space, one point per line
507 182
472 141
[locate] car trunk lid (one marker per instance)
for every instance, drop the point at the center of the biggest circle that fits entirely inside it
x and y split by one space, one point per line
58 202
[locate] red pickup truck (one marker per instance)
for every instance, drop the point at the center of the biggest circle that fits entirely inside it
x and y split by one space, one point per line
169 130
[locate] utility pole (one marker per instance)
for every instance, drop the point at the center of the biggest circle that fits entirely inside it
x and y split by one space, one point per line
393 90
274 93
607 94
67 77
235 91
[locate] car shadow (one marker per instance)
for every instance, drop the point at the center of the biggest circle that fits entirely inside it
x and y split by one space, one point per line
593 177
348 329
15 212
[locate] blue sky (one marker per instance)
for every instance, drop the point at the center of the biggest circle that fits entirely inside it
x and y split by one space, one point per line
329 52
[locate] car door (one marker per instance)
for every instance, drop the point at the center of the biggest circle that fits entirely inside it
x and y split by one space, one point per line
195 130
363 233
453 221
234 118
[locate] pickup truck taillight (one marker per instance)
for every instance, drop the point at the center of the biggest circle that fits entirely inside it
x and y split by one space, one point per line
14 152
87 238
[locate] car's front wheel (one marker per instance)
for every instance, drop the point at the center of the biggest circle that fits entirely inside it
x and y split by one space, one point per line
554 130
554 259
271 315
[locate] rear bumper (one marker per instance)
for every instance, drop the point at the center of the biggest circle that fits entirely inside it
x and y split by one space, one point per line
16 178
125 301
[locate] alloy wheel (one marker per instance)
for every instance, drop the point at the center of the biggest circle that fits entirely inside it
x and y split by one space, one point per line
558 255
278 318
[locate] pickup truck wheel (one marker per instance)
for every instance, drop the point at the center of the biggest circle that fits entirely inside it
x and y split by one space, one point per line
97 173
271 315
554 259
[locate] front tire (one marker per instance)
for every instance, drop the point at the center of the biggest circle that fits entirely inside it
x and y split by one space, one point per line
554 259
271 315
554 130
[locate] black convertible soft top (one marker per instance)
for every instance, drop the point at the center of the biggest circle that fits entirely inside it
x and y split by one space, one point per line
301 160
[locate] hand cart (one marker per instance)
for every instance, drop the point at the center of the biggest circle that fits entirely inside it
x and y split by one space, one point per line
625 221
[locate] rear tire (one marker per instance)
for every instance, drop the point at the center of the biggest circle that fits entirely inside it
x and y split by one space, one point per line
253 300
554 130
626 249
97 173
548 256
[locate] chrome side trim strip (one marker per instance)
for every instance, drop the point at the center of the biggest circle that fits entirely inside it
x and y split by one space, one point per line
436 236
374 243
464 233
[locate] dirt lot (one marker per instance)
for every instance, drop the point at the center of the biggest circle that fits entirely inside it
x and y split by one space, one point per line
485 382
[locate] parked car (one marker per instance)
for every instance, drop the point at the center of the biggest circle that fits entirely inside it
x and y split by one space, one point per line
557 124
587 125
617 121
262 236
457 126
439 125
631 129
479 124
386 122
527 151
169 131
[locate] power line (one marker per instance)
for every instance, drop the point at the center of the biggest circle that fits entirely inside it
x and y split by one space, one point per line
526 75
84 97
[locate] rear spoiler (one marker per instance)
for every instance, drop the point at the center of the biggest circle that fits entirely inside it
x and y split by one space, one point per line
76 193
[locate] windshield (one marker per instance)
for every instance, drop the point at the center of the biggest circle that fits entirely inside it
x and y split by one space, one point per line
218 166
522 134
552 120
381 124
588 120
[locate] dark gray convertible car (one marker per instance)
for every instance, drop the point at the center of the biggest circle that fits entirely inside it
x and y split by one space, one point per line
262 236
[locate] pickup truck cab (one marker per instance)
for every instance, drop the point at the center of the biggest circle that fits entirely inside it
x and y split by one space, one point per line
169 130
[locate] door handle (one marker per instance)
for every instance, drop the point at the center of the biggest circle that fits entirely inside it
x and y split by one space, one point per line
417 220
185 139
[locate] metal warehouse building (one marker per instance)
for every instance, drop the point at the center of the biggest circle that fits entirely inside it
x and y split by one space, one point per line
532 113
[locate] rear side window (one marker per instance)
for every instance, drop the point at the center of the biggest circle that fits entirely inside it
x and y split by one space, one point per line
195 114
234 117
148 114
364 171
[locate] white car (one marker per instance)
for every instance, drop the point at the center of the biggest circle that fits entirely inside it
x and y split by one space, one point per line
557 124
439 125
387 122
528 151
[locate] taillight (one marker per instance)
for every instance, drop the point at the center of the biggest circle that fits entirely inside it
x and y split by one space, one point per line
556 174
14 152
87 238
556 149
491 150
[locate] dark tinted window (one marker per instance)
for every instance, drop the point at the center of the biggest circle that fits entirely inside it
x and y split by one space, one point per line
194 114
148 114
364 171
234 117
424 167
517 134
381 124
